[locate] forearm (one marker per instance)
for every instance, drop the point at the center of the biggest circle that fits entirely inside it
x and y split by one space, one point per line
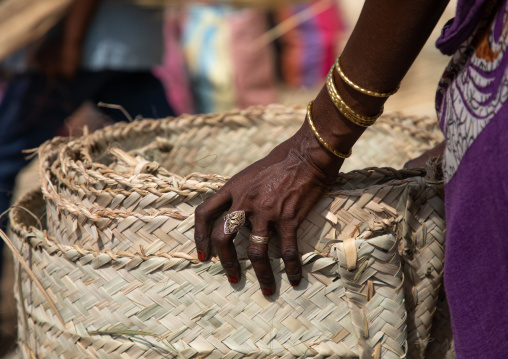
384 43
78 19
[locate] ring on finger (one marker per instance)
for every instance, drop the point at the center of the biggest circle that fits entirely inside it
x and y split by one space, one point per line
234 221
258 239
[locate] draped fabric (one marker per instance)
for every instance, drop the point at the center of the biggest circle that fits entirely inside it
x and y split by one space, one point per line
472 106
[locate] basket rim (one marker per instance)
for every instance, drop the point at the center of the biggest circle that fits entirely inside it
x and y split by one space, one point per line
413 178
57 155
97 213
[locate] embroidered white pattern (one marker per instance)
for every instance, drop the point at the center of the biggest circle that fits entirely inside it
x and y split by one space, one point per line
472 90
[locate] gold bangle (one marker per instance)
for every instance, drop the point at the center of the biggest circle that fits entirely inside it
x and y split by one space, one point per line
348 112
321 140
361 89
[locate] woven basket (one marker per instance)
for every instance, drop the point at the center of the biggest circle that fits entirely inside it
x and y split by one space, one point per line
117 259
360 298
97 186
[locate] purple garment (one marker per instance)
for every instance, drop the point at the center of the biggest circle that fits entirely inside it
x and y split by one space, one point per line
460 28
476 263
472 103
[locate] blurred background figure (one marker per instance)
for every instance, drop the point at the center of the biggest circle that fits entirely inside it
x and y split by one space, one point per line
240 56
226 71
310 36
102 51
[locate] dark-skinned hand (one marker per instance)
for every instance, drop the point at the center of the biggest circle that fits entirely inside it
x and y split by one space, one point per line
421 161
276 193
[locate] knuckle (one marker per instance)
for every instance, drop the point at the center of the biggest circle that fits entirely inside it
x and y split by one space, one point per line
199 238
256 255
201 212
228 266
268 203
291 255
220 242
266 279
251 194
289 217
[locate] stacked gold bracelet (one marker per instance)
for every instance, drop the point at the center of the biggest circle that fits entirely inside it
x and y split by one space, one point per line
320 138
348 112
361 89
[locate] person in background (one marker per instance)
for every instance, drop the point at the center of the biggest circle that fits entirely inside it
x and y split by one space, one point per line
103 51
276 193
226 69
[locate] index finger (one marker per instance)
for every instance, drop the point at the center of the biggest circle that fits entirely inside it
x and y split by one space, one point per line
205 214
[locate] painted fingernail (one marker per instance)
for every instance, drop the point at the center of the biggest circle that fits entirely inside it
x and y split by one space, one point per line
232 279
266 291
201 256
294 283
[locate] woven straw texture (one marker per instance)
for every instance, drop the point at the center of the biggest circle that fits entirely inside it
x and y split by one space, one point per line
130 302
117 262
111 190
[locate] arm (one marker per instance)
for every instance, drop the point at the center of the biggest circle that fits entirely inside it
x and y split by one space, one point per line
76 25
383 45
278 191
62 56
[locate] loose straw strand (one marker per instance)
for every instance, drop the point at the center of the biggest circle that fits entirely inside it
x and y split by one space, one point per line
22 261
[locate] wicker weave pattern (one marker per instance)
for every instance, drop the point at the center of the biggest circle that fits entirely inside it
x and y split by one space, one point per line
169 295
118 257
423 273
132 186
441 342
87 279
374 288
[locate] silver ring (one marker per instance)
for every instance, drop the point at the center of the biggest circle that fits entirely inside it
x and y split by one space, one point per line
259 239
233 222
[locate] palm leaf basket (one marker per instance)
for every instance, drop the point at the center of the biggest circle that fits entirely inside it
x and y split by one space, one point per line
113 270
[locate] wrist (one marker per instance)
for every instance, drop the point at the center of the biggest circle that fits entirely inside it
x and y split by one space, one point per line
315 155
338 131
333 129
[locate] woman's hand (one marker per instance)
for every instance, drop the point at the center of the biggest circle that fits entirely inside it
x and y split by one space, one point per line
421 161
276 194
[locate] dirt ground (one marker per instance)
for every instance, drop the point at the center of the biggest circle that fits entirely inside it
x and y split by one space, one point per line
416 96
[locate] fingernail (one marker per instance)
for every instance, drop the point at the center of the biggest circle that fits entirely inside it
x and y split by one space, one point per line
266 291
294 283
232 279
201 256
